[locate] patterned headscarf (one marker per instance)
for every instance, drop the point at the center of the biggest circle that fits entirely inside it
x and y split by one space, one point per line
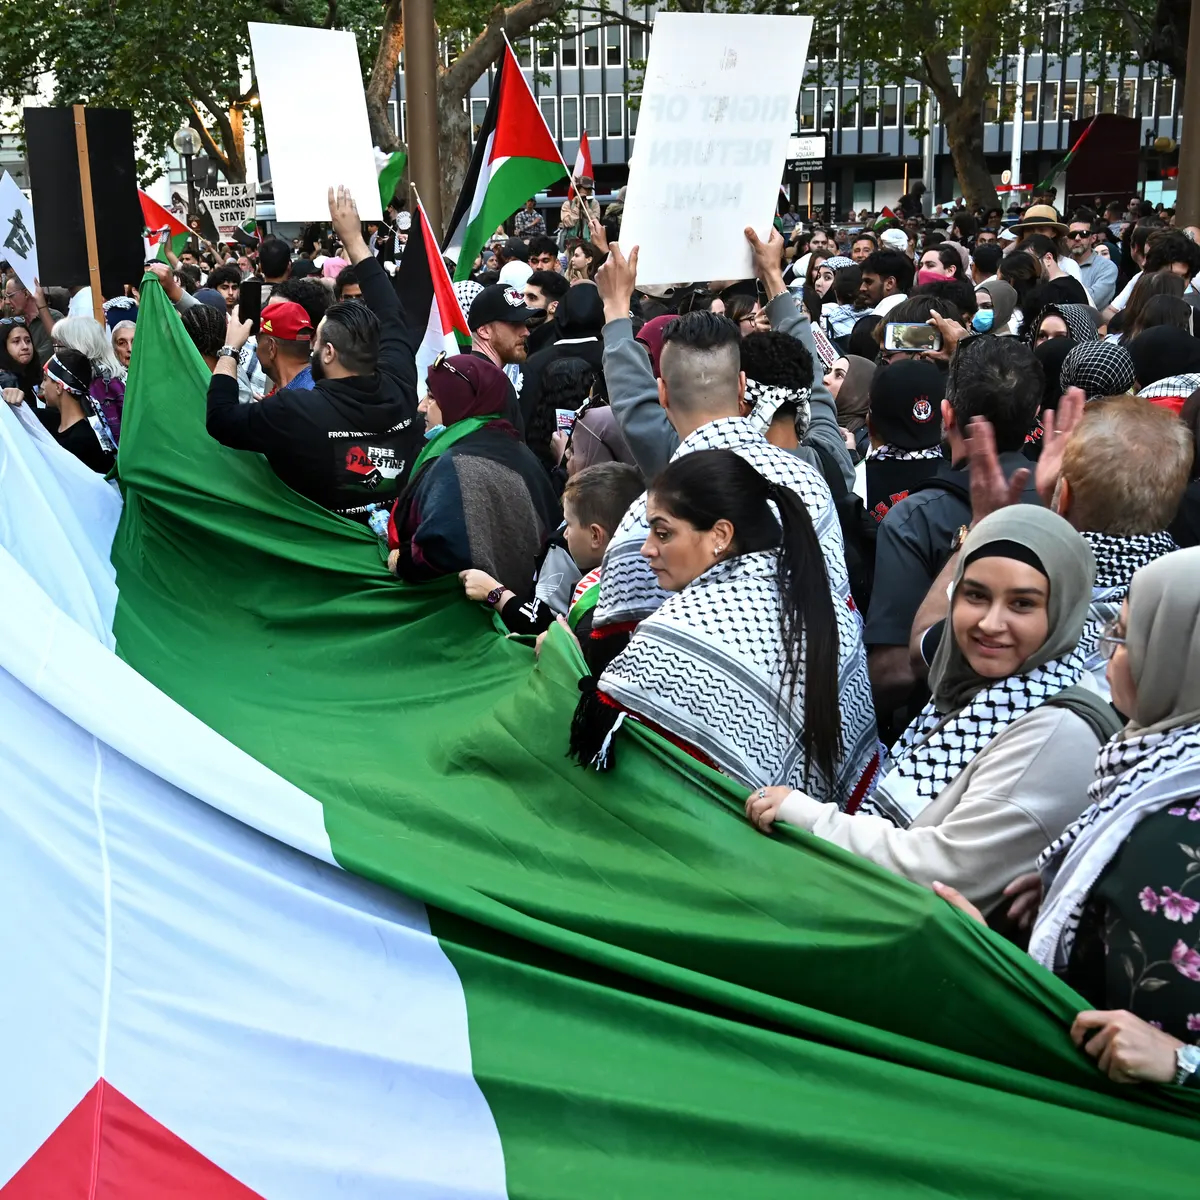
1078 318
767 399
1100 368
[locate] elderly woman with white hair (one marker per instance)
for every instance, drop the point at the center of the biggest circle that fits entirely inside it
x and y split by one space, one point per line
89 338
122 341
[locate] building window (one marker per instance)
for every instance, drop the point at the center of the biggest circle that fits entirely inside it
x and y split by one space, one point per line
1121 95
1166 97
478 112
634 106
1050 100
524 52
808 109
549 113
568 51
891 107
870 107
614 118
591 116
570 118
639 46
1088 108
545 54
1070 100
403 120
1146 98
394 116
591 48
849 113
612 46
913 114
828 108
1030 110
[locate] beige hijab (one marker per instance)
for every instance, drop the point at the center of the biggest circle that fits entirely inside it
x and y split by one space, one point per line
1163 639
1071 568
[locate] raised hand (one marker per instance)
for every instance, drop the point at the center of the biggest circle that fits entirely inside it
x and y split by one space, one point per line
616 281
1057 425
990 490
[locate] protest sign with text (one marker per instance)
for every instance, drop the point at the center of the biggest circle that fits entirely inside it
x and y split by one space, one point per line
318 135
18 246
230 205
718 107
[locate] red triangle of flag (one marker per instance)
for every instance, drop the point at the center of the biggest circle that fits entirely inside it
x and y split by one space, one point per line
109 1149
449 309
156 217
520 127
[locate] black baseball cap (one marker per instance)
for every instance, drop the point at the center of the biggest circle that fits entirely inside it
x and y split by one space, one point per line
498 302
515 248
906 404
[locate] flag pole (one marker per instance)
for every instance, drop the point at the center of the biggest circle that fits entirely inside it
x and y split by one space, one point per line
435 249
89 215
420 57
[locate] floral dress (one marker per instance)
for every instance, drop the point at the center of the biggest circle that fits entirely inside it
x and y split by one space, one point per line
1138 945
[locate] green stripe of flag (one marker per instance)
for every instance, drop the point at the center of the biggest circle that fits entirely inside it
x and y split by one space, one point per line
504 191
662 1002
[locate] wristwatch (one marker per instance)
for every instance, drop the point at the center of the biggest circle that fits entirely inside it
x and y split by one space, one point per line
1187 1063
960 536
493 597
227 352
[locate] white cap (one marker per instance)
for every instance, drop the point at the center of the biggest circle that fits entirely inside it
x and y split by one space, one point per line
894 239
516 273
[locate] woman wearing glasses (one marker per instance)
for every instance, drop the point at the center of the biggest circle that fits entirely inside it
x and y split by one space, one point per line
20 368
1121 919
996 765
477 496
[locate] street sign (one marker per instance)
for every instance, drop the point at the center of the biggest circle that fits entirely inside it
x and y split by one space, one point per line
806 156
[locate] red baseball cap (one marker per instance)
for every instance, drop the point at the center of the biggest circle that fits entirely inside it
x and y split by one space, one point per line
286 320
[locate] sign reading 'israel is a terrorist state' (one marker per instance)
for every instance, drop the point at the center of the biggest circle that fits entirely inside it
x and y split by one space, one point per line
718 107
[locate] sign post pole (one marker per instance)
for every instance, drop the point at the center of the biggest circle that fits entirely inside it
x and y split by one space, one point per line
89 216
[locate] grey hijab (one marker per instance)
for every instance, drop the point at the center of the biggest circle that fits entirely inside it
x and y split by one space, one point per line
1071 569
1004 301
1163 639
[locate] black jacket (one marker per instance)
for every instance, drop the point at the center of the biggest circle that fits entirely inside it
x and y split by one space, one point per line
348 444
578 321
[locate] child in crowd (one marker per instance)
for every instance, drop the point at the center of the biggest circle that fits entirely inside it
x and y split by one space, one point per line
594 501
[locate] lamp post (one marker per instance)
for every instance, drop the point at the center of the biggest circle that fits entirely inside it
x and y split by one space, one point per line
187 143
829 117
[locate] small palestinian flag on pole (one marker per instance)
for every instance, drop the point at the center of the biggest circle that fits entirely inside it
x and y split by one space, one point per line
515 158
885 215
583 165
1060 168
162 227
391 170
427 294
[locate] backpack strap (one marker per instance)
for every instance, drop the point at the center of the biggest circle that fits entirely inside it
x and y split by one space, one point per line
1099 714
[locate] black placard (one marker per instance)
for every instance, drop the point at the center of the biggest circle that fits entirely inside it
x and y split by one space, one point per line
58 200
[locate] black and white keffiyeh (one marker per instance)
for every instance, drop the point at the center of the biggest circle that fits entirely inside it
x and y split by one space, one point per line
706 668
57 370
937 746
1135 777
629 590
901 455
1099 368
1117 558
766 399
1173 386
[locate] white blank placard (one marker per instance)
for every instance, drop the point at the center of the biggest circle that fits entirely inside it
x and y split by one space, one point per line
718 106
315 115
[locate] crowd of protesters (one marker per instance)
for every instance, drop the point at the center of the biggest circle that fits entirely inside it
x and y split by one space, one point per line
901 534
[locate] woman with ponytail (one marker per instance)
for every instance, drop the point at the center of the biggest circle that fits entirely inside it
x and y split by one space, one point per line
740 667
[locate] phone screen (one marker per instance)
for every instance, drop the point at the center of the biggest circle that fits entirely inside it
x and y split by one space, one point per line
916 336
250 303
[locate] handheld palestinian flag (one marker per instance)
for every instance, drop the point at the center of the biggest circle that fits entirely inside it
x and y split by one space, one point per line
1058 172
583 164
163 228
391 171
427 293
305 901
885 215
515 158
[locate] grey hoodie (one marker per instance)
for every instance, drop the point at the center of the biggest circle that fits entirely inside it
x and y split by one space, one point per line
633 395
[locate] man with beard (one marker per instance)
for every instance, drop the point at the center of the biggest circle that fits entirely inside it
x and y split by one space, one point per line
499 332
348 443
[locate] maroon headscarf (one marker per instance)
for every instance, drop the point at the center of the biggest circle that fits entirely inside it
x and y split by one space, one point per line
651 336
466 386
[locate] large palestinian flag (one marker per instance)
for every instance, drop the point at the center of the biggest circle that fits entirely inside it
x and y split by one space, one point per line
303 900
515 158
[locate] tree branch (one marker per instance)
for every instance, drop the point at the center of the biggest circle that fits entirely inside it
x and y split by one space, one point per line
517 22
383 75
232 162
